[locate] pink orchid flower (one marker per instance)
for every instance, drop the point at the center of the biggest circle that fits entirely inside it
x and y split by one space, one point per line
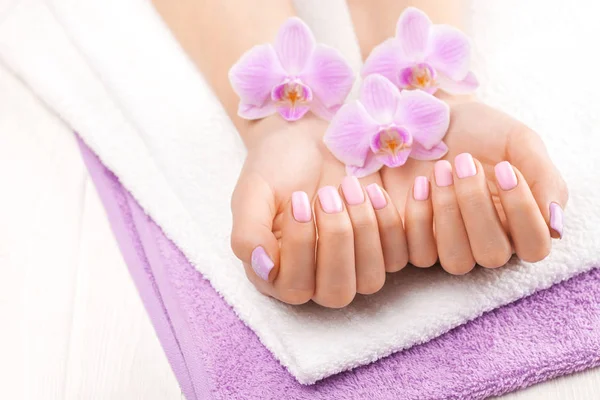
386 126
424 56
291 77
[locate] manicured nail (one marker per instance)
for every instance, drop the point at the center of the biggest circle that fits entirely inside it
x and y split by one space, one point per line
556 219
376 196
465 166
505 175
330 199
421 188
352 190
443 173
261 263
301 207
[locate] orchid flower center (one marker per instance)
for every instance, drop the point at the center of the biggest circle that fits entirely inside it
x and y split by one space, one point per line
421 76
390 141
292 93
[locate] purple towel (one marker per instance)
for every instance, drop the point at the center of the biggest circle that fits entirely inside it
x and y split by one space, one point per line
215 356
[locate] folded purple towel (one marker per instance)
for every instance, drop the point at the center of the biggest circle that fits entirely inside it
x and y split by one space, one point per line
215 356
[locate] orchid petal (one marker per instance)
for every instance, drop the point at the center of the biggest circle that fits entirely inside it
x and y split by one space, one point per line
435 153
294 45
380 98
349 134
467 85
328 75
321 111
255 74
425 117
449 51
251 112
394 160
372 165
413 32
292 113
386 59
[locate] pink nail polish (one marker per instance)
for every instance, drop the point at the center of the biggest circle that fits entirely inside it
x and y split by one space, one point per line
465 166
443 173
330 200
556 218
505 175
376 196
421 188
352 190
301 207
261 263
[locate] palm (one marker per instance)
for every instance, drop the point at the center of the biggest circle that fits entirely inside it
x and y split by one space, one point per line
475 128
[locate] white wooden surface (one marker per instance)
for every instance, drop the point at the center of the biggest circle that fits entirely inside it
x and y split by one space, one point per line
72 325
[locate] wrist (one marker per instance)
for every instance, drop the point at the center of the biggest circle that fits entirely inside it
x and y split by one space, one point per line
255 132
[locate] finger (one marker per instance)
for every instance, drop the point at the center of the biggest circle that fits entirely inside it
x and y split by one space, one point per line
368 256
418 222
335 284
252 239
527 226
295 282
489 243
391 232
527 152
450 233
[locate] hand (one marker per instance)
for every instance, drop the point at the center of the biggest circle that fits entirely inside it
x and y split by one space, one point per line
360 234
475 219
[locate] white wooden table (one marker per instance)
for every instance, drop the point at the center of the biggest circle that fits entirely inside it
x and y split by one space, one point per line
73 326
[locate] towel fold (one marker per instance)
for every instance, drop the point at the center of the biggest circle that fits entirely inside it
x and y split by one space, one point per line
113 72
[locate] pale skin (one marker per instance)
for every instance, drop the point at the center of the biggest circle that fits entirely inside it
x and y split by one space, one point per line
471 220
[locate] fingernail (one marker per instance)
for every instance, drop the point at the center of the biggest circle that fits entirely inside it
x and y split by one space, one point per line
301 207
465 166
376 196
261 263
443 173
505 175
352 191
556 218
330 199
421 188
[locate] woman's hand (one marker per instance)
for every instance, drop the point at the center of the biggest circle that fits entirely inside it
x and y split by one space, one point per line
288 173
481 206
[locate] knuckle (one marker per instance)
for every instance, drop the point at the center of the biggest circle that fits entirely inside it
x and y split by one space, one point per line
537 254
446 206
423 260
458 266
419 214
390 223
340 229
295 296
495 254
336 298
239 243
473 197
366 221
371 285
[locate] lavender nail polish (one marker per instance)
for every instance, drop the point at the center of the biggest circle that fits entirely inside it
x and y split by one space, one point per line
556 218
261 263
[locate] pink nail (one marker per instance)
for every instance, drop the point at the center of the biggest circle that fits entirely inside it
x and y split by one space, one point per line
261 263
376 196
301 207
556 218
352 191
421 188
330 199
465 166
505 175
443 173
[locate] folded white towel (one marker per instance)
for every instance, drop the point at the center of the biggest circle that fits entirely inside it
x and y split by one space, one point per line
114 73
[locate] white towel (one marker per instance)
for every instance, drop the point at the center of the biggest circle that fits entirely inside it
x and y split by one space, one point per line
113 72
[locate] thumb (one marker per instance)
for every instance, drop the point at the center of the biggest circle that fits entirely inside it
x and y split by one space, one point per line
527 152
252 239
